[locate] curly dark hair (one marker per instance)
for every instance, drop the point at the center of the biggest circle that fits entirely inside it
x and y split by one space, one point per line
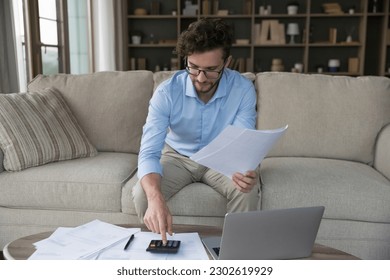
204 35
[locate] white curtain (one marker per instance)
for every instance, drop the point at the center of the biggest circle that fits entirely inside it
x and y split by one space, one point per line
107 40
103 34
8 60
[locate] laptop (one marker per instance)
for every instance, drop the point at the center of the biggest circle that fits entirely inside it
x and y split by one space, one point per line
267 234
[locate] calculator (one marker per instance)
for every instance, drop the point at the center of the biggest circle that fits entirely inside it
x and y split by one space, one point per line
156 246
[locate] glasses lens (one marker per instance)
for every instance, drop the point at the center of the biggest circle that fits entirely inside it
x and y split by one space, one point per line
193 71
211 74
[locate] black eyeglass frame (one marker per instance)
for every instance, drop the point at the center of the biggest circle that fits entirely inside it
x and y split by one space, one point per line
204 71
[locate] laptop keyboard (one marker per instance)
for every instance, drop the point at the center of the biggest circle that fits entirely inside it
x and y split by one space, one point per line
216 250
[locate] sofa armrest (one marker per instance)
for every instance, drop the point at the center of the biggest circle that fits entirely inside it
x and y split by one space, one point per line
382 152
1 161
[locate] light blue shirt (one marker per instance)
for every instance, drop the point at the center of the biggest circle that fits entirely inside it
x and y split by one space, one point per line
179 118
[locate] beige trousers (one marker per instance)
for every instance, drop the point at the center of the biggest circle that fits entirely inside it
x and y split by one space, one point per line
180 171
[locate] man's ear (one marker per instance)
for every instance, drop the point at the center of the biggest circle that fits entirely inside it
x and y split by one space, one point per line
228 60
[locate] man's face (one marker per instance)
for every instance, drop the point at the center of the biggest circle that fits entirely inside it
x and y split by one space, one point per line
212 63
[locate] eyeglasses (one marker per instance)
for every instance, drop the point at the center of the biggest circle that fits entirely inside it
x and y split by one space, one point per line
210 74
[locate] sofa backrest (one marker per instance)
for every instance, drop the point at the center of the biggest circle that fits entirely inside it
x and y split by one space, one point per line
111 107
160 76
328 116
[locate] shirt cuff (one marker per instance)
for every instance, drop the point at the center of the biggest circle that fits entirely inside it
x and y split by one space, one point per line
149 166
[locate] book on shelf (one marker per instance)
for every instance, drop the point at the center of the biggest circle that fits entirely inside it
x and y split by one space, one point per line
333 35
206 7
215 7
241 64
257 32
141 61
138 63
132 64
270 32
282 34
247 8
155 7
353 65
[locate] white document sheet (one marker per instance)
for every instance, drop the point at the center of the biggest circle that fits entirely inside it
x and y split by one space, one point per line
238 149
191 248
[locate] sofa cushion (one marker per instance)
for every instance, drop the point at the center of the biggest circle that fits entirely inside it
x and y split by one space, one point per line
348 190
87 184
111 107
37 128
328 116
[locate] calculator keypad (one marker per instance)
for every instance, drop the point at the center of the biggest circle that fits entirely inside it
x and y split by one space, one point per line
157 246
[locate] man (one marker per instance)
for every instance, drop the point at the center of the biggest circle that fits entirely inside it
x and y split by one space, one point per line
186 112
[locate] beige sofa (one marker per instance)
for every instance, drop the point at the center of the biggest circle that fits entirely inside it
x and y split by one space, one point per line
335 153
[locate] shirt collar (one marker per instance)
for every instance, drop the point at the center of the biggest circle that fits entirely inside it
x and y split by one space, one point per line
221 87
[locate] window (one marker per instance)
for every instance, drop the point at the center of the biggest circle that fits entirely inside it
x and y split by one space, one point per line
79 36
53 37
47 14
46 37
48 30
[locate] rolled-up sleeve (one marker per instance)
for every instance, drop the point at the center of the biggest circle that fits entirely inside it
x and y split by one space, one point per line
246 114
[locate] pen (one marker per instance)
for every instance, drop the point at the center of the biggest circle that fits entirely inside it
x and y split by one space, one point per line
128 242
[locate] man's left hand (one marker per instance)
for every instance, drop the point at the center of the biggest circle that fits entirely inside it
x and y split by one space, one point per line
245 182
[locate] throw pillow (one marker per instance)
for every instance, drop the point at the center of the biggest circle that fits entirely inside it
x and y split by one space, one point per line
37 128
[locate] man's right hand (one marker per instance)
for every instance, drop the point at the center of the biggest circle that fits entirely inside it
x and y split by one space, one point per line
157 217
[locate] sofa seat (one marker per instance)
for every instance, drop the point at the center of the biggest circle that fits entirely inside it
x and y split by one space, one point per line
348 190
87 184
210 203
356 199
207 206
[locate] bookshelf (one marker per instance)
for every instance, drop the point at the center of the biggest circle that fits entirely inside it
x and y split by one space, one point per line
347 31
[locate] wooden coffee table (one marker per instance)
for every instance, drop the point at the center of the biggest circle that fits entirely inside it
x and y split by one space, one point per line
23 248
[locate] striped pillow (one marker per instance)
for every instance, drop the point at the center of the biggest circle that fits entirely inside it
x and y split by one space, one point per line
37 128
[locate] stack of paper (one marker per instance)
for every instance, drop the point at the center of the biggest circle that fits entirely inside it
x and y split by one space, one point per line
84 242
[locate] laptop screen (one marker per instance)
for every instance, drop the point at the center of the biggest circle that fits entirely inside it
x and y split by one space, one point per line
267 234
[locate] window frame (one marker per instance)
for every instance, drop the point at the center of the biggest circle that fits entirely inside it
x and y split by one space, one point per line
33 39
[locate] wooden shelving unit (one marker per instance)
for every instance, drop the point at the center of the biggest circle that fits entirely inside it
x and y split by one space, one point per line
367 32
384 62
